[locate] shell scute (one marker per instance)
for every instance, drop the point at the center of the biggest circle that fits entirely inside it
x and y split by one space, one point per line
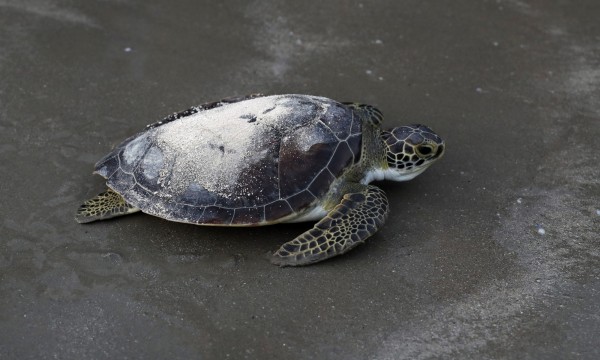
278 209
340 129
251 215
320 185
296 178
216 215
301 200
133 152
341 159
108 165
197 195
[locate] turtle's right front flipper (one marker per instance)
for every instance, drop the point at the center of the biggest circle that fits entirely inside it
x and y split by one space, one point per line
358 216
104 206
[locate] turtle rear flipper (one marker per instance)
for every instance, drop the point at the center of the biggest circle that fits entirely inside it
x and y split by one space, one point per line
105 205
358 216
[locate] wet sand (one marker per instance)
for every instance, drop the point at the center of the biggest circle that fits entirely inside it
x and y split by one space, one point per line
494 252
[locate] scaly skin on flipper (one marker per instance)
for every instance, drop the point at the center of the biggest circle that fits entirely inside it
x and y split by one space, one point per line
372 113
103 206
358 216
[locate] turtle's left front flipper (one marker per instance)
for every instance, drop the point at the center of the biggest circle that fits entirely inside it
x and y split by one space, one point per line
358 216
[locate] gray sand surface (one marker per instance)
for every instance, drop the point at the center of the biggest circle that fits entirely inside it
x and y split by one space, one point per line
493 253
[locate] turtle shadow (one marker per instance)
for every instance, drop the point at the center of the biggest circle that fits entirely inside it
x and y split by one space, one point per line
170 238
159 237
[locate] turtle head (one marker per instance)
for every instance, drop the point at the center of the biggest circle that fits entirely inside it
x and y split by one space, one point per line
410 150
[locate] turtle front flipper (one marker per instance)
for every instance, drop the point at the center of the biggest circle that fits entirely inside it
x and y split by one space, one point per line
372 114
358 216
105 205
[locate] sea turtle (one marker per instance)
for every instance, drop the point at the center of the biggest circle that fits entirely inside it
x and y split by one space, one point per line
261 160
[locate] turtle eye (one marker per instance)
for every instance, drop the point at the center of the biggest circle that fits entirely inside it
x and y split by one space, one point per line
424 150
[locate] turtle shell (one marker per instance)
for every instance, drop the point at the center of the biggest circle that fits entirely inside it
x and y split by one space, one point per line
251 162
